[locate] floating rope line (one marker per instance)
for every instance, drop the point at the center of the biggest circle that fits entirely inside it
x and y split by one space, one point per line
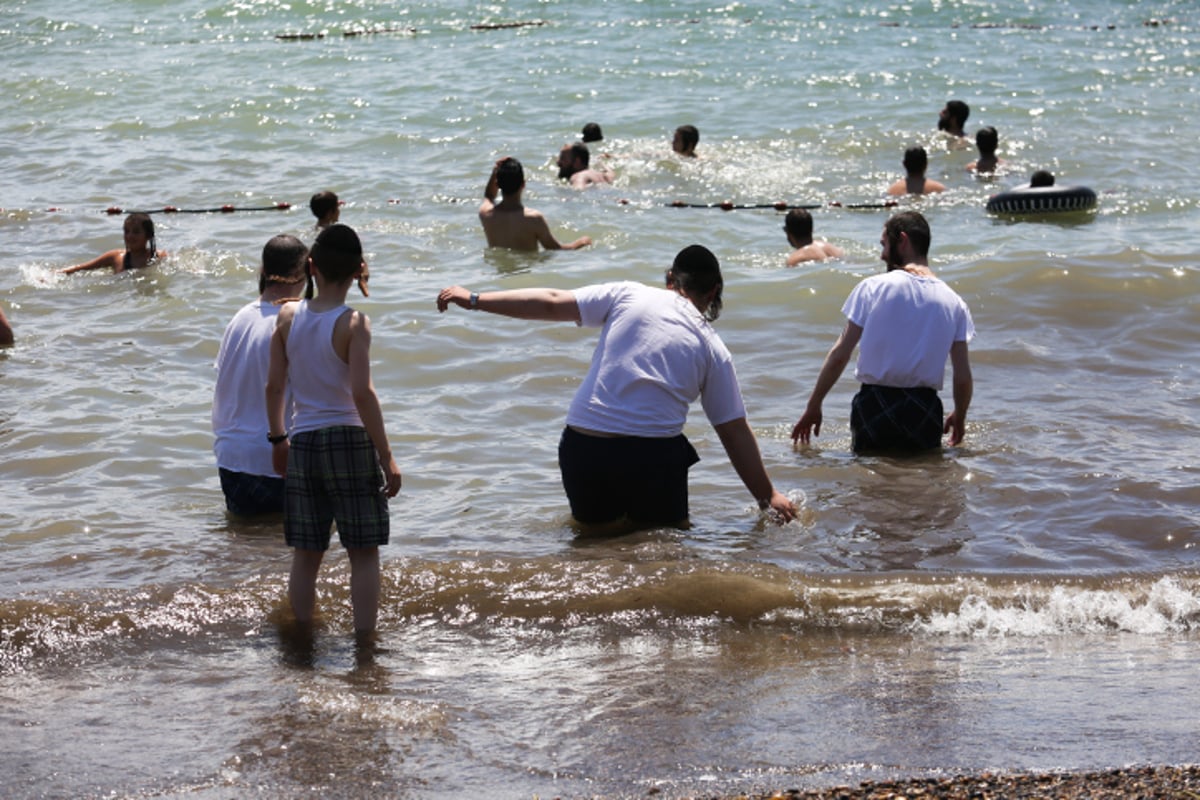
226 209
481 26
780 206
727 205
495 26
374 31
345 34
1152 22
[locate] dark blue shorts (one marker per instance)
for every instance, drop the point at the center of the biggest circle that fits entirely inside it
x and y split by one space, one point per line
333 475
249 495
642 479
892 419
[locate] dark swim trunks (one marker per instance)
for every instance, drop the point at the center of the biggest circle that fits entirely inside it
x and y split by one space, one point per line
334 474
890 418
642 479
249 495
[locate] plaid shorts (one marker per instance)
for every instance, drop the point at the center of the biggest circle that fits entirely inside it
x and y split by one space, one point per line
333 475
889 418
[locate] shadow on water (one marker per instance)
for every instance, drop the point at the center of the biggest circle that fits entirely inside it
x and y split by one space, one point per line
513 262
892 513
366 730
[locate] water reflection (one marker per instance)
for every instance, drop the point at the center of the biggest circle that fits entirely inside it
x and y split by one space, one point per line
885 513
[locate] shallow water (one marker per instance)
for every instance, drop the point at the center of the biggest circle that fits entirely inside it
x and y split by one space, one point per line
1029 600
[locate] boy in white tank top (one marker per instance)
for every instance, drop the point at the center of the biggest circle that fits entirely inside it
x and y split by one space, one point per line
335 459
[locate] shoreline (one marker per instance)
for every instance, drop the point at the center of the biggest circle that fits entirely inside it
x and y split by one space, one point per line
1177 782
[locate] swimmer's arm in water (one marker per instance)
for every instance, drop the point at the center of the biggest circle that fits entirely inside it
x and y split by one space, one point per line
578 244
549 305
112 258
541 229
742 448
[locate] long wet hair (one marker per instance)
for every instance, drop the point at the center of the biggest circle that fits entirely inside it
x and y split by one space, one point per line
697 272
147 224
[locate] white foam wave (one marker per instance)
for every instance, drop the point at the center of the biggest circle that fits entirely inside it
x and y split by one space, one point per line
1165 606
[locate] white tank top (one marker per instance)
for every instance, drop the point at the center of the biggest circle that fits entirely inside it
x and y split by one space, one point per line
319 380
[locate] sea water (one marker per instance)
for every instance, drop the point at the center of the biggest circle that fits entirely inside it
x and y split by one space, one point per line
1029 600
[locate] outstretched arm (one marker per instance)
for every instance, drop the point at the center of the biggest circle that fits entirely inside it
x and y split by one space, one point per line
551 305
964 387
581 242
742 448
835 363
110 259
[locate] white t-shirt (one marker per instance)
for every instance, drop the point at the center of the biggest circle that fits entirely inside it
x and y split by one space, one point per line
239 410
656 355
909 323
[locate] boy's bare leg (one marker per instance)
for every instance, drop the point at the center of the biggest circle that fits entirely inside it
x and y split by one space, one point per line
302 583
364 587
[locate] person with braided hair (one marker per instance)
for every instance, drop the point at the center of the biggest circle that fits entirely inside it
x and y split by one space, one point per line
239 412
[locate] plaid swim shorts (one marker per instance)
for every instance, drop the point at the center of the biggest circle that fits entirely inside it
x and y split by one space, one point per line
333 475
889 418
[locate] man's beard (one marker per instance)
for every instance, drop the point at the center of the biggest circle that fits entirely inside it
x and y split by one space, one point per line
893 260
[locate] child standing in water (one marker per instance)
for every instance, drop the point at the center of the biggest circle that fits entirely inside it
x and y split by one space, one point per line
140 248
338 445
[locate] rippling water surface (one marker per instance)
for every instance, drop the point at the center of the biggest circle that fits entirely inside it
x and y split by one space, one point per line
1030 600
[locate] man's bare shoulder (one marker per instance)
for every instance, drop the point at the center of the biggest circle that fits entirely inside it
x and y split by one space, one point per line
817 251
590 177
831 250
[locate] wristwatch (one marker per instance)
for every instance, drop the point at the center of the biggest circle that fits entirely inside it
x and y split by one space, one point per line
474 301
277 439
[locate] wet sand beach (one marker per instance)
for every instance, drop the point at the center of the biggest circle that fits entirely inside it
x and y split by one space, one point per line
1116 784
